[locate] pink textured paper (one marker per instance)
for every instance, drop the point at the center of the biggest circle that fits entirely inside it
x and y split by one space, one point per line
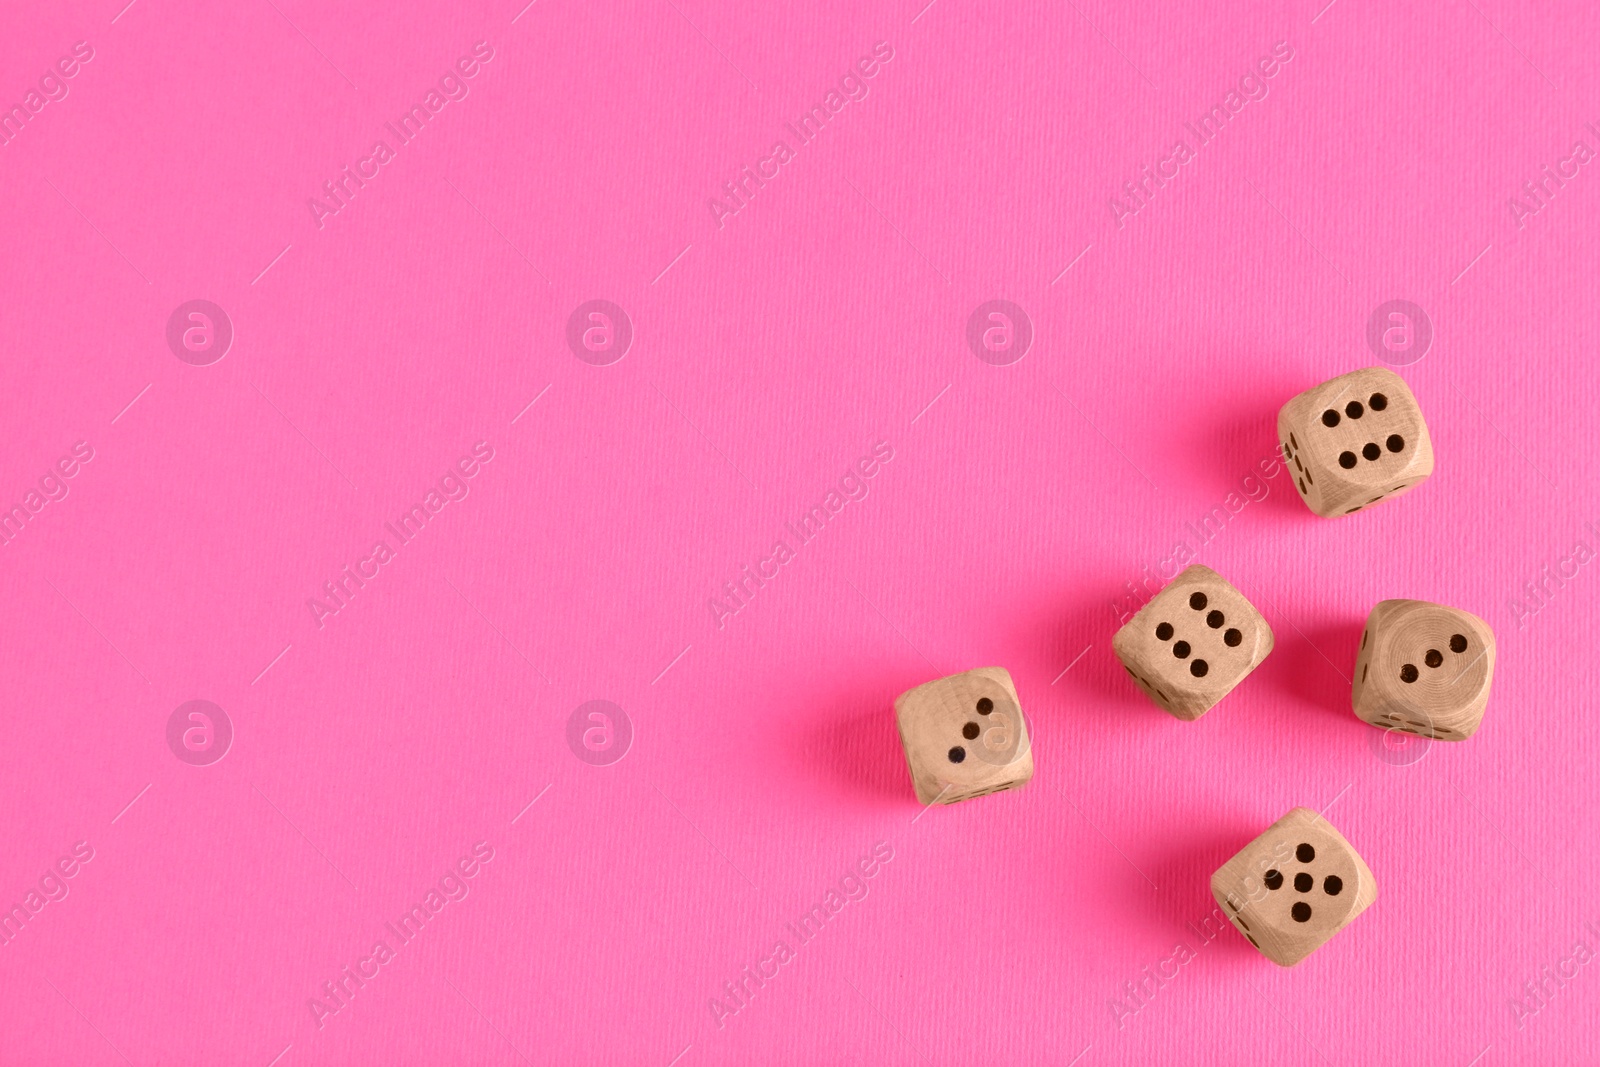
782 329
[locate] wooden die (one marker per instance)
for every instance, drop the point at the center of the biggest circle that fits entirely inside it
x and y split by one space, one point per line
1193 642
964 736
1355 440
1294 887
1423 669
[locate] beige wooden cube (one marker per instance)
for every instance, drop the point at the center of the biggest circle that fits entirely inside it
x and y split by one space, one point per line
1355 440
1294 887
1193 642
964 736
1423 669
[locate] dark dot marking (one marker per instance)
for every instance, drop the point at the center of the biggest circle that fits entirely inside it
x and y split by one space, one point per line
985 706
1129 670
1347 460
1164 631
1364 668
970 731
1377 402
1395 442
1418 725
1354 409
1274 879
1310 480
1215 619
1232 637
1371 451
1292 441
1181 650
1302 488
1330 418
1301 911
1332 884
1353 510
1363 639
1305 853
1458 643
1408 673
1303 882
1433 658
1199 668
1297 465
957 754
1253 941
1197 601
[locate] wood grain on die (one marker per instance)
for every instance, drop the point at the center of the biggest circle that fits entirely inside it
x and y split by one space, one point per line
1423 669
964 736
1196 639
1355 440
1294 887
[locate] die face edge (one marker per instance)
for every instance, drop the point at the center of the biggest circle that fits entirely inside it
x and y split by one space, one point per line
1230 877
1220 895
1358 677
1019 773
1000 675
1128 647
1289 418
900 712
905 708
1177 703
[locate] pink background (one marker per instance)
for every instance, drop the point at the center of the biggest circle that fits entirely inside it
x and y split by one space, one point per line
769 353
